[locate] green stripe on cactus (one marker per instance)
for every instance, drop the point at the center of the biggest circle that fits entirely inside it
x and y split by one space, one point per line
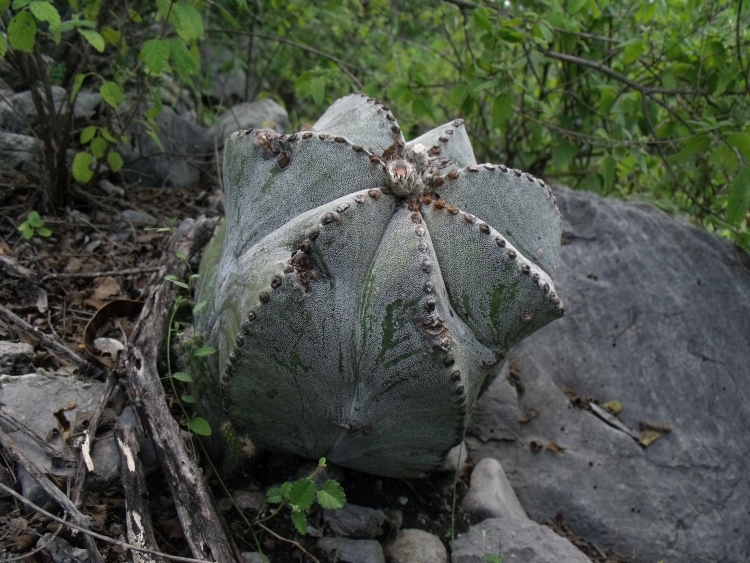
516 204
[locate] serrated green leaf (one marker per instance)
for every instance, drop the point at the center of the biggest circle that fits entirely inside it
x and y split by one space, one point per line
229 18
274 495
187 21
82 167
182 60
300 522
302 494
190 399
111 93
510 35
501 109
331 495
608 171
200 426
93 37
633 50
104 131
98 146
204 351
155 53
182 376
739 197
741 141
46 12
114 161
111 36
481 19
318 88
285 488
34 219
87 134
574 6
77 83
22 32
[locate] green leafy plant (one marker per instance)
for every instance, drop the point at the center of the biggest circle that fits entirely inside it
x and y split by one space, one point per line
34 225
107 46
300 496
197 424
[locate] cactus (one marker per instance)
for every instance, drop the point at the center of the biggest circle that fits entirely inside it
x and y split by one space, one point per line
363 290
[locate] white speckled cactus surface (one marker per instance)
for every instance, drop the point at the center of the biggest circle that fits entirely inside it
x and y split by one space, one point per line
363 290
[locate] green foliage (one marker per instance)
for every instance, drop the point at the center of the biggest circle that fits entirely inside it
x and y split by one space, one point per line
34 225
110 47
300 495
197 424
635 99
644 100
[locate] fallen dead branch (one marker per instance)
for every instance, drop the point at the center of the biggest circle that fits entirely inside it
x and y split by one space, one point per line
197 514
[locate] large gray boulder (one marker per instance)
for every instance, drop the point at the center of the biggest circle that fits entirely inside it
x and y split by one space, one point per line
185 149
262 114
657 318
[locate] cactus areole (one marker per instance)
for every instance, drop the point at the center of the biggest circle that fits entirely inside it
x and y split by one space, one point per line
363 290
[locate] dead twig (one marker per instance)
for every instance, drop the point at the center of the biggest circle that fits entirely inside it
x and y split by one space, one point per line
56 494
12 421
91 534
90 275
200 522
81 472
137 515
287 540
49 342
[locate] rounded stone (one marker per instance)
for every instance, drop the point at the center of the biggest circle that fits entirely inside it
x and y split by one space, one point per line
417 546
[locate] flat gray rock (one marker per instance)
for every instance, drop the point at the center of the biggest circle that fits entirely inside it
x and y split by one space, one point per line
514 541
657 318
15 357
185 149
354 521
352 551
263 114
32 400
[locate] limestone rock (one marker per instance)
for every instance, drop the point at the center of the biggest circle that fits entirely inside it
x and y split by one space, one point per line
185 148
490 494
15 357
263 114
352 551
658 318
417 546
519 541
354 521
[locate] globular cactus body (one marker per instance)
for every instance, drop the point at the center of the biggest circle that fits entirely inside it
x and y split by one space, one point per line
363 290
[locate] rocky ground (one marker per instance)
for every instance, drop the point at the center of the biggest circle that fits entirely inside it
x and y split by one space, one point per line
57 283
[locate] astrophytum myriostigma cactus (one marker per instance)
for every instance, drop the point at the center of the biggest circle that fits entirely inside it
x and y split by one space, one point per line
362 290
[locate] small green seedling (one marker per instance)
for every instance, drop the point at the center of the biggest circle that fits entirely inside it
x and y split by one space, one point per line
33 225
301 495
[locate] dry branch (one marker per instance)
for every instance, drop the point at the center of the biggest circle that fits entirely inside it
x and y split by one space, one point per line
197 513
138 517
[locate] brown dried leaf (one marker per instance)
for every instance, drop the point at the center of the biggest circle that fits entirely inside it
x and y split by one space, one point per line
105 288
613 407
528 415
553 447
